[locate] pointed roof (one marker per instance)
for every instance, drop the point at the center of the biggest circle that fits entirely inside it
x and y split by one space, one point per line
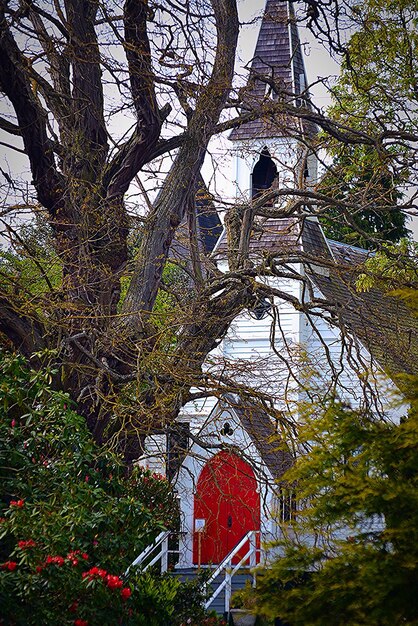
386 326
278 57
262 431
209 228
290 238
383 322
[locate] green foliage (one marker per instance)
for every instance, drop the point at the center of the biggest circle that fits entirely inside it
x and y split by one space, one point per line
72 519
382 46
32 268
393 269
166 308
244 598
351 554
375 94
370 190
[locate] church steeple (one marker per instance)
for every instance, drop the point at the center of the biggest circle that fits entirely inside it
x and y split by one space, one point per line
277 68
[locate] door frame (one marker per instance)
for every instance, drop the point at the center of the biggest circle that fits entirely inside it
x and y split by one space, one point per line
203 543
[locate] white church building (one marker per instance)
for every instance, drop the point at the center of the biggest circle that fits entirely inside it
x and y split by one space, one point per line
227 456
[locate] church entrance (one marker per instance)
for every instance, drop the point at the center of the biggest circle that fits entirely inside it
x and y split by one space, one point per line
226 507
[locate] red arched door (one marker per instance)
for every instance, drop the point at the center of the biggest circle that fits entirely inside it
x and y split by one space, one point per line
227 505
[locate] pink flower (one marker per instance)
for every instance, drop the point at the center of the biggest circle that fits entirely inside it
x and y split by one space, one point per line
17 503
10 565
101 573
95 572
74 606
23 545
80 622
125 593
55 560
113 582
158 476
85 556
13 423
72 557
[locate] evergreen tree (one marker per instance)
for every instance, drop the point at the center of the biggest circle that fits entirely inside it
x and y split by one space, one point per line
350 554
376 93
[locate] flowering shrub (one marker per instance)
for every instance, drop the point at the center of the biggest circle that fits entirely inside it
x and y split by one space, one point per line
17 503
72 520
60 592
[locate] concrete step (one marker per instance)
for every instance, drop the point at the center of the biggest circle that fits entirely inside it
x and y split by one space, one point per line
238 582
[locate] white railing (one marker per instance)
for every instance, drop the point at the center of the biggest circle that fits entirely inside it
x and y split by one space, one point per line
231 570
159 542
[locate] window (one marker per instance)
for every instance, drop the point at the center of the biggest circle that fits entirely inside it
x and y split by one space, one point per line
287 505
300 87
263 175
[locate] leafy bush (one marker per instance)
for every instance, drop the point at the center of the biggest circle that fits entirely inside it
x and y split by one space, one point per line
244 598
350 556
72 518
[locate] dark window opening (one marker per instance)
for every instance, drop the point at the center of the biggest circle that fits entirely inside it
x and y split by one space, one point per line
264 173
300 91
227 429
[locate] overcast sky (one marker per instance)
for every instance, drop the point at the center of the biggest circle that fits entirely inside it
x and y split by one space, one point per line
318 65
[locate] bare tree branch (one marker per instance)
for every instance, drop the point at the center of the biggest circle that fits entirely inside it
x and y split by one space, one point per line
31 119
89 132
135 153
169 208
26 333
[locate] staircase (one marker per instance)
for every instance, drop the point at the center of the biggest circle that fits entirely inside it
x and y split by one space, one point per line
218 604
226 578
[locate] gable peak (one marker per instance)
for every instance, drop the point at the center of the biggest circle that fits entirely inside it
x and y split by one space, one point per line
277 67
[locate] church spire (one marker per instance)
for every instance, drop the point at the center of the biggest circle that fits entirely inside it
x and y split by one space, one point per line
278 61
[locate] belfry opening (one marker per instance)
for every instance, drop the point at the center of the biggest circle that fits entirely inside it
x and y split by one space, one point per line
264 173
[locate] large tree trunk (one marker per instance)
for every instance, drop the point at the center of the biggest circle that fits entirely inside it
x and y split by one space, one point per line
104 351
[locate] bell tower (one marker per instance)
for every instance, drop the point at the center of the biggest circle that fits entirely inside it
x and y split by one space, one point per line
267 150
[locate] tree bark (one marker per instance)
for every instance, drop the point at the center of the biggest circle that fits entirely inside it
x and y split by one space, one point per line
180 185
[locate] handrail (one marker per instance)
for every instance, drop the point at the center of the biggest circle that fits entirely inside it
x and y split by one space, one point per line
226 564
229 556
224 582
161 538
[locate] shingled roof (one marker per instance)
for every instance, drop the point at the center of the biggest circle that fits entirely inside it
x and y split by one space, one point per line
278 56
208 226
384 324
261 429
282 237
